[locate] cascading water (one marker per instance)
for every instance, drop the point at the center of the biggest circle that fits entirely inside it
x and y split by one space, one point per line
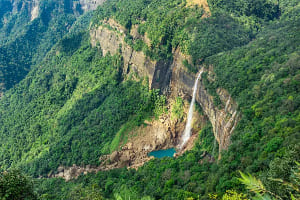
214 147
188 126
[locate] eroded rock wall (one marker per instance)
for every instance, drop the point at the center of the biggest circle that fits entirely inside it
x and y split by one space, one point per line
32 7
111 38
87 5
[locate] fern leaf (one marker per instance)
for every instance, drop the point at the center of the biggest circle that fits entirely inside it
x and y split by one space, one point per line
252 183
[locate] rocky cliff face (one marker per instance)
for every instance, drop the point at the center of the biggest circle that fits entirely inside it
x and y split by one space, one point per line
15 6
87 5
110 36
172 78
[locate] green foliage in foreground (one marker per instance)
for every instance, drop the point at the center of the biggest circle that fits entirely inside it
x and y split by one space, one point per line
256 186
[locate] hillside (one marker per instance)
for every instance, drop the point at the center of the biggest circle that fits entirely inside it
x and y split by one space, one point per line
115 84
29 29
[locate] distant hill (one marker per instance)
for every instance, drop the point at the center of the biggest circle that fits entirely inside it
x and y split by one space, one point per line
29 29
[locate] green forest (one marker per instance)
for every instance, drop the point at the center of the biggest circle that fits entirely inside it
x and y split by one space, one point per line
66 103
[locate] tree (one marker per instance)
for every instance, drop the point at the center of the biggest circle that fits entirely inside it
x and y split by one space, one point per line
16 186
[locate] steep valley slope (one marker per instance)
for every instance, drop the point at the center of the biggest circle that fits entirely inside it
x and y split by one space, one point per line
116 84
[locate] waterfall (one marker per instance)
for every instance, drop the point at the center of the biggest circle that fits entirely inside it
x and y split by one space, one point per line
214 148
188 126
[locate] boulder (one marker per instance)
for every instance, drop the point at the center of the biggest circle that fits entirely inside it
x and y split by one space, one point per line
114 156
60 169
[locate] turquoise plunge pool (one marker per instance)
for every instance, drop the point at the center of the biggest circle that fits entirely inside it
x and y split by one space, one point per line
163 153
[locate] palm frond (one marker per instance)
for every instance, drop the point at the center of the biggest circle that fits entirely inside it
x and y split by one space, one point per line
292 197
252 183
262 197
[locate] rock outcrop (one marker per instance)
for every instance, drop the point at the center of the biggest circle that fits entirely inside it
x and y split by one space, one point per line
75 171
206 157
200 3
32 7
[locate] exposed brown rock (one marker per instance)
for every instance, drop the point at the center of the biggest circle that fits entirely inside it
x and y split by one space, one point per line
114 156
200 3
60 169
206 157
75 171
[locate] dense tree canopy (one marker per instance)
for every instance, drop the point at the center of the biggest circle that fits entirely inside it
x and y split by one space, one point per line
16 186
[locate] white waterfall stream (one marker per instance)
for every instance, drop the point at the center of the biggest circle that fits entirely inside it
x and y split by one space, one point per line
187 131
214 147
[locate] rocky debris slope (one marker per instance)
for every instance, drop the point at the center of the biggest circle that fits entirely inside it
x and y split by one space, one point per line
162 133
69 173
158 134
200 3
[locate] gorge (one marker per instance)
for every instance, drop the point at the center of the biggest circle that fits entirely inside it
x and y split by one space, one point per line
142 99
